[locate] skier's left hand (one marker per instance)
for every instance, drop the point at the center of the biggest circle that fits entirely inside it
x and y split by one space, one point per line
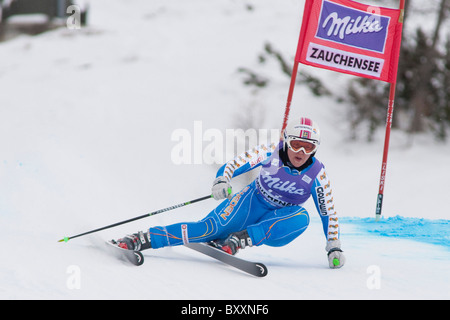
336 258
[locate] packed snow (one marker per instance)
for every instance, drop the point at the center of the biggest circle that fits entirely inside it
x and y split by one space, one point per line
87 123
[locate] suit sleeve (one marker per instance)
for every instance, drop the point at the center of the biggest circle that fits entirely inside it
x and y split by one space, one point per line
324 201
245 162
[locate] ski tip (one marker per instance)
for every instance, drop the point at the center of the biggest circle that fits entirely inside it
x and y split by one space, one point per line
263 270
135 257
139 258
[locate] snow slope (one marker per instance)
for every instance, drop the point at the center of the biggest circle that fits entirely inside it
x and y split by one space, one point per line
86 124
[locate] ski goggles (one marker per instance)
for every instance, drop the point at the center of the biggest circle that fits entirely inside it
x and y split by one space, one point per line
297 144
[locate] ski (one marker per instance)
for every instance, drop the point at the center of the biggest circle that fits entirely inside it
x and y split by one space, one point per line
135 257
256 269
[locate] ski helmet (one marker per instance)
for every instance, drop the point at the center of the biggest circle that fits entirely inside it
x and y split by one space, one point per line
302 134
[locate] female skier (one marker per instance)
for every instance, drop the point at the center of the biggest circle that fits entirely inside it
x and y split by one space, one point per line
270 209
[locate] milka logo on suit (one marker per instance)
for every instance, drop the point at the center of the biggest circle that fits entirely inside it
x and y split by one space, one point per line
284 186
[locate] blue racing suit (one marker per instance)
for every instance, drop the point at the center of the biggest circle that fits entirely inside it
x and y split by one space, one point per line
270 208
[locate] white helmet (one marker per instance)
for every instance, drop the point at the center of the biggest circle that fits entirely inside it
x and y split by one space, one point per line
302 134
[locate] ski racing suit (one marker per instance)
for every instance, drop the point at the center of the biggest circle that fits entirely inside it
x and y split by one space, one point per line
270 208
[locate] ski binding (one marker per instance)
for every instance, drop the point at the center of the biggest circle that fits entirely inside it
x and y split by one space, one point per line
135 257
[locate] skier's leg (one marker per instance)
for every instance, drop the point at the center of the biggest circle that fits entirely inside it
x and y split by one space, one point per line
182 233
171 235
231 215
279 227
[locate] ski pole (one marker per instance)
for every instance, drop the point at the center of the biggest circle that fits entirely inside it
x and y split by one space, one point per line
65 239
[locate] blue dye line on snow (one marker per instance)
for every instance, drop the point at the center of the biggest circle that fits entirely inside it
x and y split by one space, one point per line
418 229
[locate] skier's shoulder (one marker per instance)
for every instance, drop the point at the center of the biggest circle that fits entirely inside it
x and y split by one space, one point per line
318 163
314 168
321 177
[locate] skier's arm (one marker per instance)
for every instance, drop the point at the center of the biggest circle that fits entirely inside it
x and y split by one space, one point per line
324 201
245 162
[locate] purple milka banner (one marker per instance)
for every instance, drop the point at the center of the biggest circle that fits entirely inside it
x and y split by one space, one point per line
356 28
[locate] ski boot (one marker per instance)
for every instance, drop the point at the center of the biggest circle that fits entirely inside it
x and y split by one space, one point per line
136 241
234 242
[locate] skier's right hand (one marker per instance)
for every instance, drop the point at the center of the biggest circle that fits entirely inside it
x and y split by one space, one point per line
221 189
